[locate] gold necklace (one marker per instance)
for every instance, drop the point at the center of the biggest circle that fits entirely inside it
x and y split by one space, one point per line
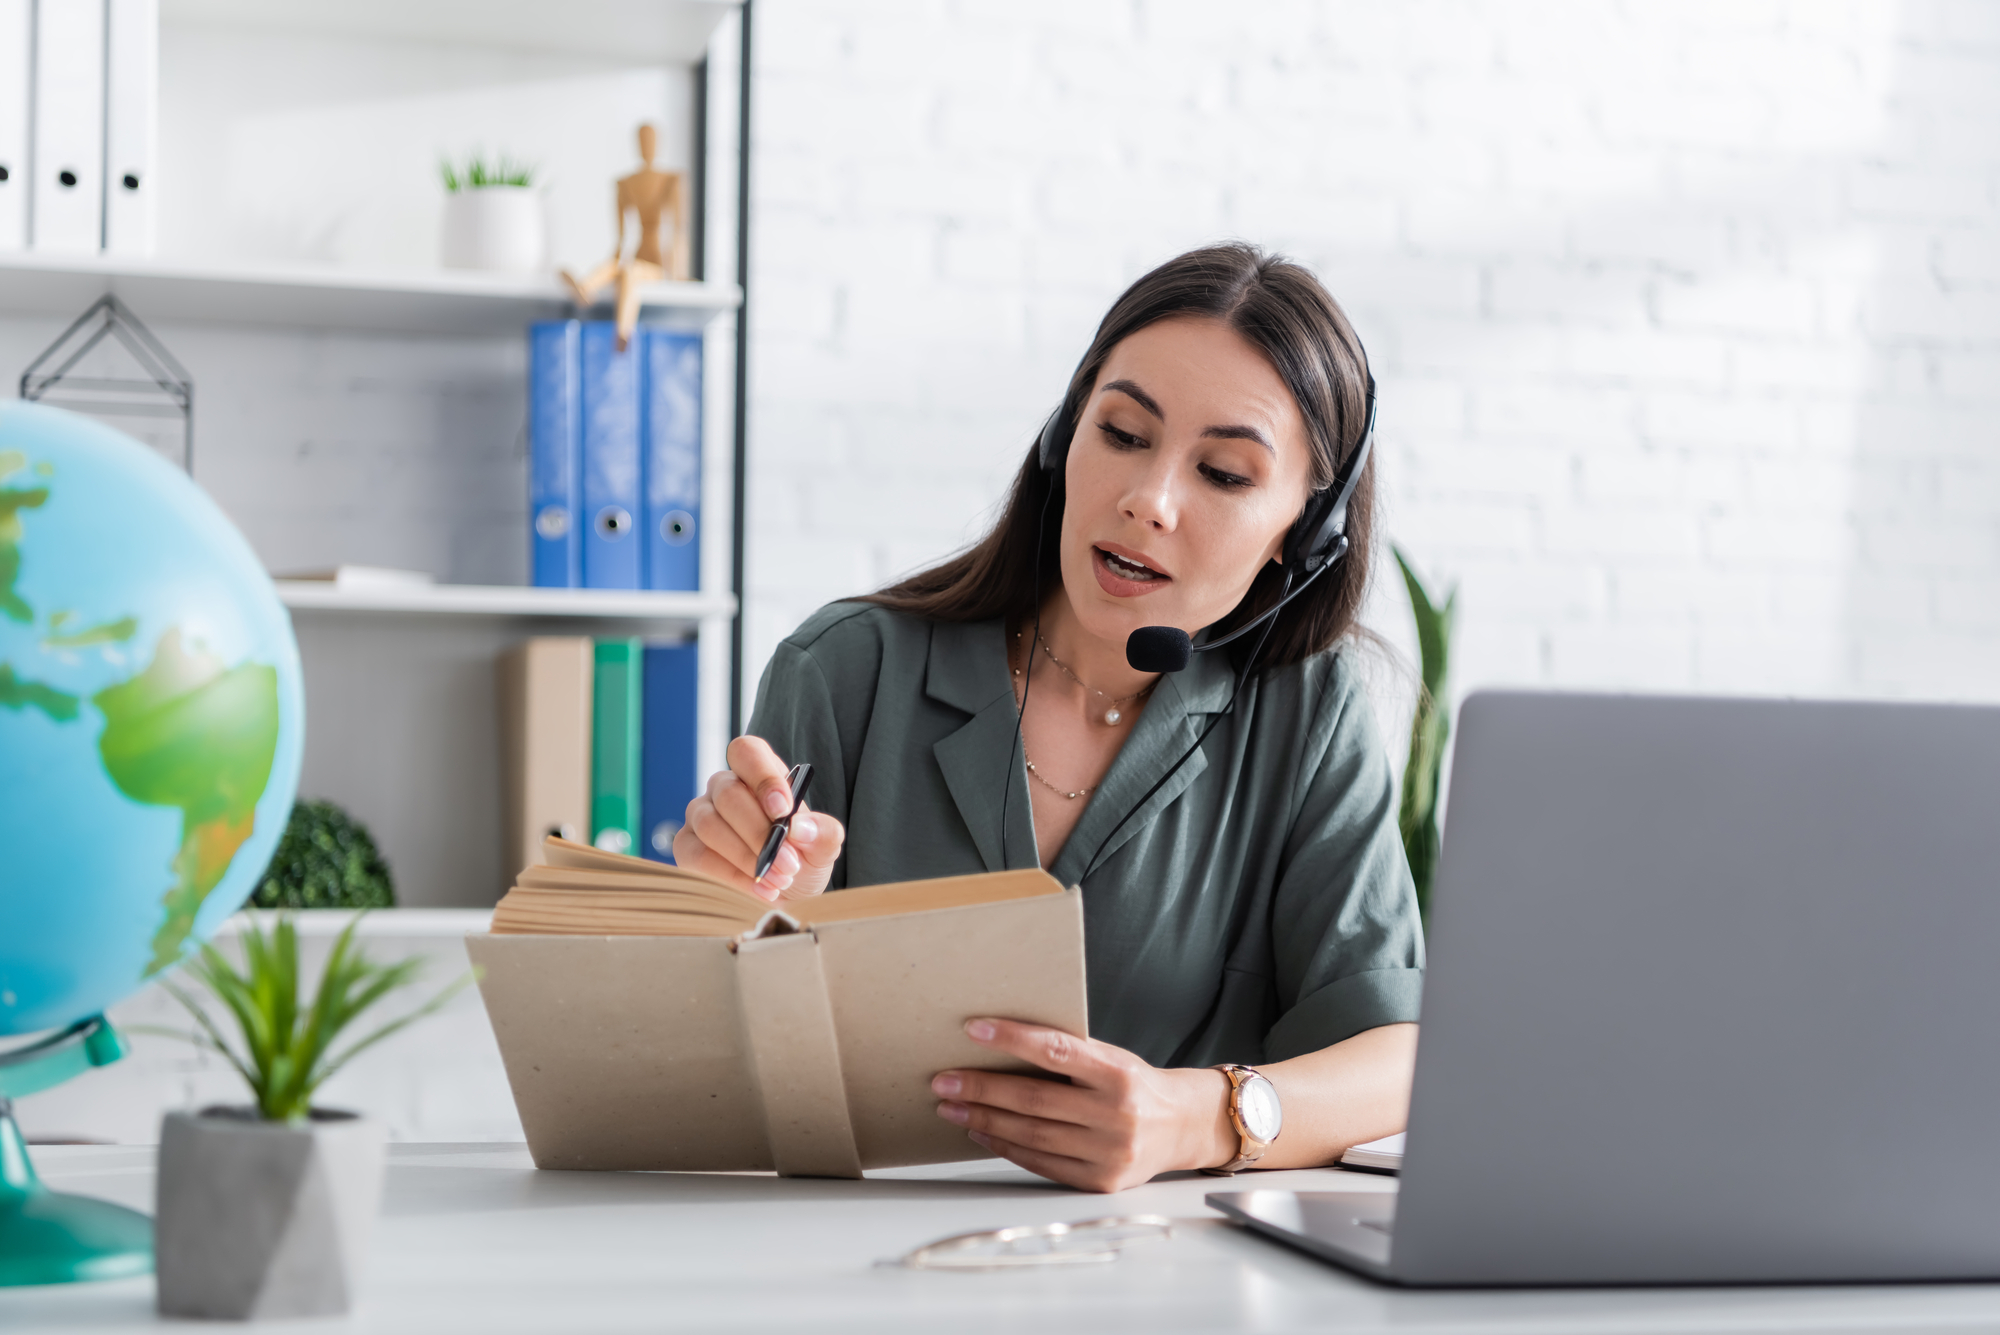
1029 760
1112 716
1037 775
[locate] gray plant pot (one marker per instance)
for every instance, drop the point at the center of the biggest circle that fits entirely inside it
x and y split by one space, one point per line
258 1219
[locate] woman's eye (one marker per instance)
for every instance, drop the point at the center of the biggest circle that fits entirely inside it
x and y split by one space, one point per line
1120 440
1222 479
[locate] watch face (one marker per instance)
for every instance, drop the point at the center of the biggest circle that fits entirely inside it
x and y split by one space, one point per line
1257 1105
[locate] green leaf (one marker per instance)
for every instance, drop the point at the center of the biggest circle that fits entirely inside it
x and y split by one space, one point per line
325 860
479 172
286 1049
1430 729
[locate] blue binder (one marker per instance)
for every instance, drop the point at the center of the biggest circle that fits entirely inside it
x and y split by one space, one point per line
554 536
671 430
667 779
609 383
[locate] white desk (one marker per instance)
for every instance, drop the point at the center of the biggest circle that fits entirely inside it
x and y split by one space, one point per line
473 1239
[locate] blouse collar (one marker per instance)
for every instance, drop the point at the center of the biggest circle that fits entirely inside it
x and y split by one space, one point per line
968 670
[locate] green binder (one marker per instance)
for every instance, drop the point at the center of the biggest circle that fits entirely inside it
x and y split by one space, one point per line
616 717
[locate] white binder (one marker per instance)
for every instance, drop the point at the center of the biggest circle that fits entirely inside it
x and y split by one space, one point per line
16 30
67 203
131 121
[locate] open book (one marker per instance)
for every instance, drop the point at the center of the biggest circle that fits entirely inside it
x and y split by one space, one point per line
653 1018
578 890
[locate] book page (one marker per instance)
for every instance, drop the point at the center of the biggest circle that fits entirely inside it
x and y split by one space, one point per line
946 892
581 890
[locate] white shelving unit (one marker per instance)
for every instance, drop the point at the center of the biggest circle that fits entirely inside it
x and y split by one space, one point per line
508 601
418 301
401 924
640 31
291 111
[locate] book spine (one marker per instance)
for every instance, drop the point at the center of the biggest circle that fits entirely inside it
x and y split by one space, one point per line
16 86
131 125
554 455
618 714
67 202
667 758
609 381
546 722
672 432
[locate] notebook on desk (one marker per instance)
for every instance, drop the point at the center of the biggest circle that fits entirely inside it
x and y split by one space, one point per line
1377 1156
652 1018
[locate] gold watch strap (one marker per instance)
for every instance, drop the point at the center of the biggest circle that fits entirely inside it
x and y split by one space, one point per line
1248 1148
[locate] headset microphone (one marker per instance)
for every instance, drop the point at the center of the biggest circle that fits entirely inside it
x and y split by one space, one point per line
1168 648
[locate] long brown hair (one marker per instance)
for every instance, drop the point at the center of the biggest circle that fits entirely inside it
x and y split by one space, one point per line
1281 308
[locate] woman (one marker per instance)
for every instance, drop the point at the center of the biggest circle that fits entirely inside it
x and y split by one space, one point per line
1255 909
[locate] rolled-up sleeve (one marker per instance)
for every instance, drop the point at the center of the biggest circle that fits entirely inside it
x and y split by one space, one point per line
795 714
1347 941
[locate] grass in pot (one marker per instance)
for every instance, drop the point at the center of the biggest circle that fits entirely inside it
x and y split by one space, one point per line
265 1210
493 216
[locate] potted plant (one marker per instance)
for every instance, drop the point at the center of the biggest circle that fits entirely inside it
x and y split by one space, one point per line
326 860
1429 731
265 1210
492 216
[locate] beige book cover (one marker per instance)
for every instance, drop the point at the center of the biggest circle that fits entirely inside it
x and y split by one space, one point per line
805 1045
545 701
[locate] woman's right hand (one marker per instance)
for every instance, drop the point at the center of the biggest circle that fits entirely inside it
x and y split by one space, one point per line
726 827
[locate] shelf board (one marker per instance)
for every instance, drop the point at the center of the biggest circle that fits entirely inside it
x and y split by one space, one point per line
319 924
506 601
417 301
628 31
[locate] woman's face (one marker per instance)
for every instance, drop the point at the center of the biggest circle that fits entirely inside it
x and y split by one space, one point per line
1188 466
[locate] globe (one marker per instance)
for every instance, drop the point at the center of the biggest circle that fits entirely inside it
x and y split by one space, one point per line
151 717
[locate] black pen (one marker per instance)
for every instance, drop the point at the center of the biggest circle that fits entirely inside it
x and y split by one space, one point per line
800 779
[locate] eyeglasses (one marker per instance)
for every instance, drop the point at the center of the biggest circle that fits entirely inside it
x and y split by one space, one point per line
1086 1242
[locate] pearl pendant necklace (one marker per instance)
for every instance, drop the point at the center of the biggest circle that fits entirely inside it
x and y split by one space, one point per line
1112 716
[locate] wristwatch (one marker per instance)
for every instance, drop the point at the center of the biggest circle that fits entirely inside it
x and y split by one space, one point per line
1253 1108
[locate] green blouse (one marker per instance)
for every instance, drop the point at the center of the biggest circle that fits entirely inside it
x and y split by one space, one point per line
1259 907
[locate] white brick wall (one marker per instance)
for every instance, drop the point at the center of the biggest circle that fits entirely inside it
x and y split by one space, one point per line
1687 317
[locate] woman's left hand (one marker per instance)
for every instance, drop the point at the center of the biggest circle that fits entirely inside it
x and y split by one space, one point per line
1119 1122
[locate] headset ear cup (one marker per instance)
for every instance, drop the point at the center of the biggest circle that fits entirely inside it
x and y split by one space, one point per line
1053 448
1309 533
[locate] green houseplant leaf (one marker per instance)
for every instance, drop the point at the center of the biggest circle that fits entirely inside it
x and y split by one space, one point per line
1429 731
480 172
284 1050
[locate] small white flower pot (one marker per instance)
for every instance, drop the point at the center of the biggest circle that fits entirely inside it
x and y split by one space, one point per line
501 228
258 1219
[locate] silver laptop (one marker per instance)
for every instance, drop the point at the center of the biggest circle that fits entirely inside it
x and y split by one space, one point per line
1714 997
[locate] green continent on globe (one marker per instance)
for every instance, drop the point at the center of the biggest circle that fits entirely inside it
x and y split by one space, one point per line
13 500
191 734
17 693
111 632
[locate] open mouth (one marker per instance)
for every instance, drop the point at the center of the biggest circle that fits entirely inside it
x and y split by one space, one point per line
1126 568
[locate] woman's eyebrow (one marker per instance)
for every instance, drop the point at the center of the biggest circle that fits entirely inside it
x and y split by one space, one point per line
1239 433
1146 401
1137 395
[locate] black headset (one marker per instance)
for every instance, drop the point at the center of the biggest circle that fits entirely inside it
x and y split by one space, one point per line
1316 542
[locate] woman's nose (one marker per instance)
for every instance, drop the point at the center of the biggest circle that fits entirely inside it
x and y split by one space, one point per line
1151 499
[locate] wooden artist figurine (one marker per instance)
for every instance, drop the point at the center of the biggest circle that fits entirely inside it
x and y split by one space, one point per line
650 194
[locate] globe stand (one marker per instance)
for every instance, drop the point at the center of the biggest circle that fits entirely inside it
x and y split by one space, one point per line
50 1237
